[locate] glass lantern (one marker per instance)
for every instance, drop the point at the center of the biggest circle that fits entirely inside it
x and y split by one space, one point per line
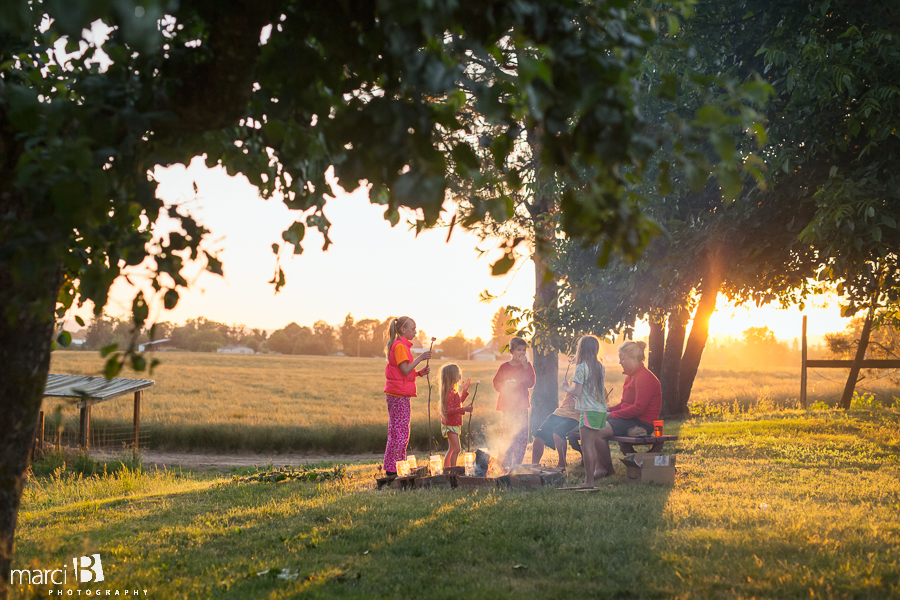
469 460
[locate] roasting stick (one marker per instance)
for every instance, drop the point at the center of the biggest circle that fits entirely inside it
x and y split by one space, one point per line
469 432
430 437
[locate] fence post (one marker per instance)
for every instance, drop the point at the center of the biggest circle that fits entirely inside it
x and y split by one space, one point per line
803 357
38 447
84 429
137 423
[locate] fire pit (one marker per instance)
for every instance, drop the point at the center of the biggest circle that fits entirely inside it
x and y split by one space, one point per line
488 472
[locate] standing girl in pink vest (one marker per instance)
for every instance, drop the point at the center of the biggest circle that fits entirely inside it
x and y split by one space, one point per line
400 374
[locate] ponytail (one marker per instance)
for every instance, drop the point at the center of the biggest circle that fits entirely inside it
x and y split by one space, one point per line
394 333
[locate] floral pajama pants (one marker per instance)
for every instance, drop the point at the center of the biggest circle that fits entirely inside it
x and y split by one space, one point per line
514 436
398 431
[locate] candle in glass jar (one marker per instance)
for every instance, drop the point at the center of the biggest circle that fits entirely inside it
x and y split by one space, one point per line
436 465
469 460
402 468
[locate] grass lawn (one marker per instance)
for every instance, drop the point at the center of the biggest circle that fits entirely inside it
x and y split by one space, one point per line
781 505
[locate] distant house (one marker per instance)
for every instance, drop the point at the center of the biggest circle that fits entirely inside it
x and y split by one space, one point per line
157 346
486 353
235 349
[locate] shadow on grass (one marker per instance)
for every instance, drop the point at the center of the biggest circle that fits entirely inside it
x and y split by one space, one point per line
443 544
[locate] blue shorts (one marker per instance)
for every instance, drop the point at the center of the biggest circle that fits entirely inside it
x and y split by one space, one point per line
561 426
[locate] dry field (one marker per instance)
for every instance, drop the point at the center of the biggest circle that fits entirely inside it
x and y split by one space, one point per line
335 404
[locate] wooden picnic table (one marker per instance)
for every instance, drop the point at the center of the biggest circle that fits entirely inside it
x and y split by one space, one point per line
627 443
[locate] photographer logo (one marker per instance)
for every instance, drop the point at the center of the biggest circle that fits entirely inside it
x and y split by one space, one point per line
88 569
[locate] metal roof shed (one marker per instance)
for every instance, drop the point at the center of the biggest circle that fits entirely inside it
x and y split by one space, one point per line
88 391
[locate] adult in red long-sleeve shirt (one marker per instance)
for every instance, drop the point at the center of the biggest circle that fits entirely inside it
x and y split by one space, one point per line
512 381
640 405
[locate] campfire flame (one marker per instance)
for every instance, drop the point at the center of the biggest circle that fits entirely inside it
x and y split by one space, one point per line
495 468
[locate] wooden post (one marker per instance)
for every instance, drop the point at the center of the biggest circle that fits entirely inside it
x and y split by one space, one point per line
803 358
84 429
137 423
847 397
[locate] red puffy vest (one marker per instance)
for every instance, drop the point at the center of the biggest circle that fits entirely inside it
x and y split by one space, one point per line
397 383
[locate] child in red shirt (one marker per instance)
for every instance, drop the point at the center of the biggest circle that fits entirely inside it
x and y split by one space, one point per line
452 410
513 380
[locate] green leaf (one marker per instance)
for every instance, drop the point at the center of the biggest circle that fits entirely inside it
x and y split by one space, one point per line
730 181
392 216
876 234
107 350
139 309
170 299
213 264
274 130
464 156
503 265
64 339
294 235
24 108
112 367
668 88
79 320
138 363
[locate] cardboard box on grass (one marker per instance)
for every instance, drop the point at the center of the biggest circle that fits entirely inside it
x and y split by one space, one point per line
649 467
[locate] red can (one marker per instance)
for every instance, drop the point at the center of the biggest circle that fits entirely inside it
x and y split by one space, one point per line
657 428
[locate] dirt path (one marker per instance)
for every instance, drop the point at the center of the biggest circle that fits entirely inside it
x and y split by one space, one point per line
224 462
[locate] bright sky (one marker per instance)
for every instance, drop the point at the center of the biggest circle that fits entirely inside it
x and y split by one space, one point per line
371 270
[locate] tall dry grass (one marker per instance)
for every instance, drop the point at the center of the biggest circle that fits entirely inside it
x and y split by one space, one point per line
336 404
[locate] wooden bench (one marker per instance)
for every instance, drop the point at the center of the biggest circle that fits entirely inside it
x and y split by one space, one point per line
627 443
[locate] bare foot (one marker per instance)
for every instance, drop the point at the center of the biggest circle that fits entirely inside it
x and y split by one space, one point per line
599 474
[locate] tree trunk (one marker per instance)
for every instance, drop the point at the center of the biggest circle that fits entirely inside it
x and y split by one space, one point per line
656 345
545 397
671 366
26 332
860 355
690 361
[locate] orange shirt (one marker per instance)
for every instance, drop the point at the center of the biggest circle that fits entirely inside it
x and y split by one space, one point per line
402 353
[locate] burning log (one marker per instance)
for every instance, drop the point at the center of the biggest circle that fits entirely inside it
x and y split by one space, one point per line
482 463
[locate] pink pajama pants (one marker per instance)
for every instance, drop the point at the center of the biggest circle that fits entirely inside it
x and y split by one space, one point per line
398 430
514 436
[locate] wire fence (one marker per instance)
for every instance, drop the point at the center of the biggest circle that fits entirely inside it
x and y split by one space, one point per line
102 436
